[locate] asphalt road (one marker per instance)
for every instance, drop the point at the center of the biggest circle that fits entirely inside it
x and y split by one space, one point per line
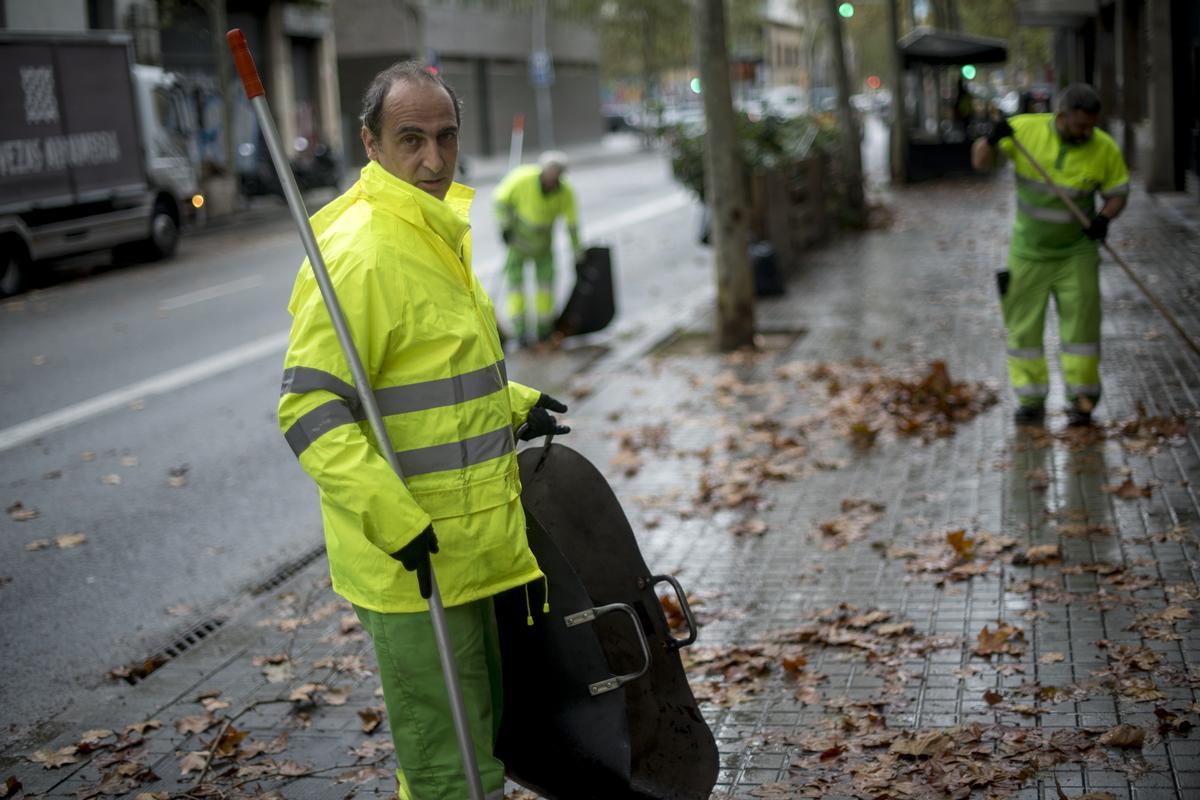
110 382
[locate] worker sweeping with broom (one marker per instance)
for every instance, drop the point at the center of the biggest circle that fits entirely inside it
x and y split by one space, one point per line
1051 252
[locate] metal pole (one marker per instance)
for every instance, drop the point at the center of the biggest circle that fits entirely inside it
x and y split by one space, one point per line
1085 222
437 613
545 109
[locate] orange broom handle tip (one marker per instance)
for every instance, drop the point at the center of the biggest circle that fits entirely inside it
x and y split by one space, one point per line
245 63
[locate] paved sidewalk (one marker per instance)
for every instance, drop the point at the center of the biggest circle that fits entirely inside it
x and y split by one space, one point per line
961 608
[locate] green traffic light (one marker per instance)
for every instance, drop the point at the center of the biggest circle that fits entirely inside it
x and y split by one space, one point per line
968 71
695 85
846 10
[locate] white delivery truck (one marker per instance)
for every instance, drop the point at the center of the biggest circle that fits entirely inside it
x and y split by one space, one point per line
95 152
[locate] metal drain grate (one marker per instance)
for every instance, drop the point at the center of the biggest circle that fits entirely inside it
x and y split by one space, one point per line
137 671
288 570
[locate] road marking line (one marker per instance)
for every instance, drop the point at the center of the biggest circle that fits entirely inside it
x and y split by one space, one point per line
640 213
211 293
252 351
159 384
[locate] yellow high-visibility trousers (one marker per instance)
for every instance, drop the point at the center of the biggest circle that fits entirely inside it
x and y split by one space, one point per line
1074 283
514 274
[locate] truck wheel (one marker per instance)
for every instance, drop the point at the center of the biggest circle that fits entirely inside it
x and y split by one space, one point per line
164 233
14 271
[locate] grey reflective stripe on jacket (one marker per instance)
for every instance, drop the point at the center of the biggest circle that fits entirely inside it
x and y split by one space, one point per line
1044 214
406 399
457 455
317 423
1045 189
440 393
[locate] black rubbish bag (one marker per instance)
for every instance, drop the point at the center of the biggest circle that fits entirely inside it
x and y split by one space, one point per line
767 281
592 304
596 702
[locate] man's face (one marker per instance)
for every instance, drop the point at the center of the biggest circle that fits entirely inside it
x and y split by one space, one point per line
418 138
550 177
1075 127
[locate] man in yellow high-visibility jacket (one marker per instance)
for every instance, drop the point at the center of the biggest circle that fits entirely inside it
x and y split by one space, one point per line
1050 253
399 255
528 202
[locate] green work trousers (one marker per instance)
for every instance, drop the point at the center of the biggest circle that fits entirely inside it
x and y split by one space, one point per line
418 705
514 275
1074 283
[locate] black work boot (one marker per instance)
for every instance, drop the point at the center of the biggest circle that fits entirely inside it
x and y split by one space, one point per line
1030 415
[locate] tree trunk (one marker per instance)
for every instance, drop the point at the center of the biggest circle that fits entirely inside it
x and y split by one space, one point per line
724 183
898 144
851 143
220 25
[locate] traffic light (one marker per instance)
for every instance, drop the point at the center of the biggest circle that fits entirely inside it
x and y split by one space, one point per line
846 10
968 71
695 85
873 82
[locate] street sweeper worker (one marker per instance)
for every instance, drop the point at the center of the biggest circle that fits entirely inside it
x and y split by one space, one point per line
528 202
1050 253
398 250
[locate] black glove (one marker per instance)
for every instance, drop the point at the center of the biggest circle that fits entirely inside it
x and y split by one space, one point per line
1098 230
507 235
415 558
1000 130
550 404
541 422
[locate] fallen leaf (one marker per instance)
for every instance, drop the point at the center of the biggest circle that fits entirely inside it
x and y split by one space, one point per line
1040 554
964 547
19 512
142 727
129 461
921 745
227 745
177 476
1124 736
363 775
370 716
66 541
1128 490
293 769
1052 658
37 544
749 527
1005 639
111 479
53 759
895 629
196 723
180 610
11 787
278 673
193 762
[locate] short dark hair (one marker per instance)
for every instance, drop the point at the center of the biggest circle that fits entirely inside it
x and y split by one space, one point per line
1079 97
410 72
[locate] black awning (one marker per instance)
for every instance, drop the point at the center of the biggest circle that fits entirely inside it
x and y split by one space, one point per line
931 46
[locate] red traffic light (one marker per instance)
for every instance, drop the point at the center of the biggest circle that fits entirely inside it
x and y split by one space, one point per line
874 82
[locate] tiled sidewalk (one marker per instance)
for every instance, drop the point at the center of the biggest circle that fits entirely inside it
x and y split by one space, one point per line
803 525
1101 588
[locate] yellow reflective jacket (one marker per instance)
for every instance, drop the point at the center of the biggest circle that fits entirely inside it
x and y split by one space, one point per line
524 208
400 260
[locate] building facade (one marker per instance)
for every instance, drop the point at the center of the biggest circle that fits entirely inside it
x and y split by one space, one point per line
1143 56
483 48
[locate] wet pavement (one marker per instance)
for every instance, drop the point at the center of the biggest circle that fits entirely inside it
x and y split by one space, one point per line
901 593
